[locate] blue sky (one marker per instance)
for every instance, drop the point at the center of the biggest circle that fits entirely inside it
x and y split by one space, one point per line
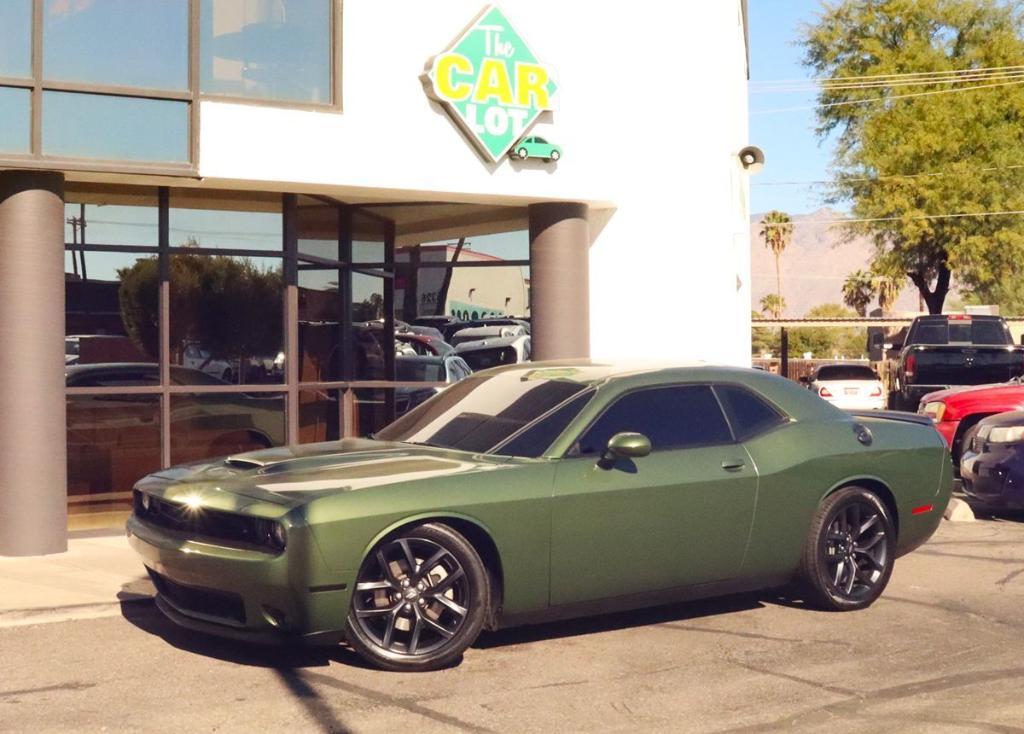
792 151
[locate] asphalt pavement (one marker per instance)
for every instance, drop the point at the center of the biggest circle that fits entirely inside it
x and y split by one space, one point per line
942 651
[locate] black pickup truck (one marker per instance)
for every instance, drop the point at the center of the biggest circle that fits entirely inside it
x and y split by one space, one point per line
940 352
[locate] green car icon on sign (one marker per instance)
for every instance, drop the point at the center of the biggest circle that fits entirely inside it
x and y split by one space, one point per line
536 147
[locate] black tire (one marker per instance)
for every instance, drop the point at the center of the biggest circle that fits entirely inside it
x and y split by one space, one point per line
555 155
849 552
965 442
407 616
522 153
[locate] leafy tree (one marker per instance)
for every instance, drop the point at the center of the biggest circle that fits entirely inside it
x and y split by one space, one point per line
907 155
773 305
859 291
763 338
1007 294
777 231
228 305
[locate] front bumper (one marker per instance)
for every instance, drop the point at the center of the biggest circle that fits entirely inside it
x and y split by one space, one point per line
994 479
858 403
245 594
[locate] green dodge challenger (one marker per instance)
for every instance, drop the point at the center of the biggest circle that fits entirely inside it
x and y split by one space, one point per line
540 491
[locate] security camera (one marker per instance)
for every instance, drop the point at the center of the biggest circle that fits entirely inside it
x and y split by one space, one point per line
752 159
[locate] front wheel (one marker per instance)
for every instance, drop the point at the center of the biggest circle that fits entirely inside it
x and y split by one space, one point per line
555 155
522 153
849 552
420 600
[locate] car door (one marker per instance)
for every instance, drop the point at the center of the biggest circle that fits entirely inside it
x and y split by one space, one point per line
677 517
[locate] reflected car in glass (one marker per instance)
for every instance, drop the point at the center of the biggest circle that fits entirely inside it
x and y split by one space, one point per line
541 491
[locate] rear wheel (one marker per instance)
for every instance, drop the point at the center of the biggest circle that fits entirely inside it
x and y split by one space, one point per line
849 552
420 600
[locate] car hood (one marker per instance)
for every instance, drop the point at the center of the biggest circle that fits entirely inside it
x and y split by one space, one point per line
1010 390
287 477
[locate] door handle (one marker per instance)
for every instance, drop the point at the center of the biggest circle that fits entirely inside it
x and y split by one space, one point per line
733 464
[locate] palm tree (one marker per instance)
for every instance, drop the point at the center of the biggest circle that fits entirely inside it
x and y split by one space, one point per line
777 231
773 305
858 291
889 289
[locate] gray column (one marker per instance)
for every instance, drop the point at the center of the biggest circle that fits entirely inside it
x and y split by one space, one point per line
33 423
559 280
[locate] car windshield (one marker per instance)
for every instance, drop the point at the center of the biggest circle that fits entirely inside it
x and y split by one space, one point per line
481 412
846 372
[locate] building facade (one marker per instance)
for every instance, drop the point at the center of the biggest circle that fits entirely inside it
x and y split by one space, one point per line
250 199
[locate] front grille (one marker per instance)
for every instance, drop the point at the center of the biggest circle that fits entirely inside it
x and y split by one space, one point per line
205 524
199 601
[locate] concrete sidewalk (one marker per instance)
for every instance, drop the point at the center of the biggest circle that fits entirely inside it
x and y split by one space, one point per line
96 574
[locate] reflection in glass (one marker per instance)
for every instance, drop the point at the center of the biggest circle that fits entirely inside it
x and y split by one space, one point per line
374 408
225 229
317 225
110 308
113 441
226 319
16 38
115 128
110 223
208 426
319 325
126 43
15 120
468 293
319 416
372 345
267 49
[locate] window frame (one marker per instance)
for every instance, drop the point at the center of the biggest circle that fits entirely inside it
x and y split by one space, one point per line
785 418
36 84
572 452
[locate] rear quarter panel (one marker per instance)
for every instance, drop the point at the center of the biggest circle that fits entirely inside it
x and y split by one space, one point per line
801 463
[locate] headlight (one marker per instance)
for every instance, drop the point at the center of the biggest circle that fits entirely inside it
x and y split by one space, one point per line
1006 434
935 410
271 534
144 500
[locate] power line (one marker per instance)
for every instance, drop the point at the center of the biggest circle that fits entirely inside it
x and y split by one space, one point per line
885 98
853 220
898 75
806 88
889 177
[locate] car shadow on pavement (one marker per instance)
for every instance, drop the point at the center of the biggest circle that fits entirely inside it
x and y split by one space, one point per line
678 612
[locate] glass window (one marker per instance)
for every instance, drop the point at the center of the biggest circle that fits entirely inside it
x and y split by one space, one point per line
15 119
536 439
479 413
749 414
227 319
110 311
113 441
671 417
277 50
125 43
370 341
224 228
115 128
846 372
319 416
317 228
207 426
16 38
112 219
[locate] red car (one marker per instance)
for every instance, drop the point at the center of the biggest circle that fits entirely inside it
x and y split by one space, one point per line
957 411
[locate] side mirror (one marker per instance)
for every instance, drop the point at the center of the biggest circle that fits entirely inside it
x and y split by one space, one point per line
625 446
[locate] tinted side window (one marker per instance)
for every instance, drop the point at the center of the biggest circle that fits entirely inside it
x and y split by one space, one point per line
534 441
749 414
671 417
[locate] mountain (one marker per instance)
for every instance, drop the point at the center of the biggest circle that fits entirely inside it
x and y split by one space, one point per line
814 265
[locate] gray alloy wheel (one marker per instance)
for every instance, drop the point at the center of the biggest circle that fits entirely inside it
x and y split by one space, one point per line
420 599
849 552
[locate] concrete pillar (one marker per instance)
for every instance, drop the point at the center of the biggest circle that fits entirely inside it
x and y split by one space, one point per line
33 422
559 280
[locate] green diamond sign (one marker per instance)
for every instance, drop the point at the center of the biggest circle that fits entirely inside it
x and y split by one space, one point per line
491 83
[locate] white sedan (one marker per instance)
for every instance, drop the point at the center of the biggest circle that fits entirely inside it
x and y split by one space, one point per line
848 386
